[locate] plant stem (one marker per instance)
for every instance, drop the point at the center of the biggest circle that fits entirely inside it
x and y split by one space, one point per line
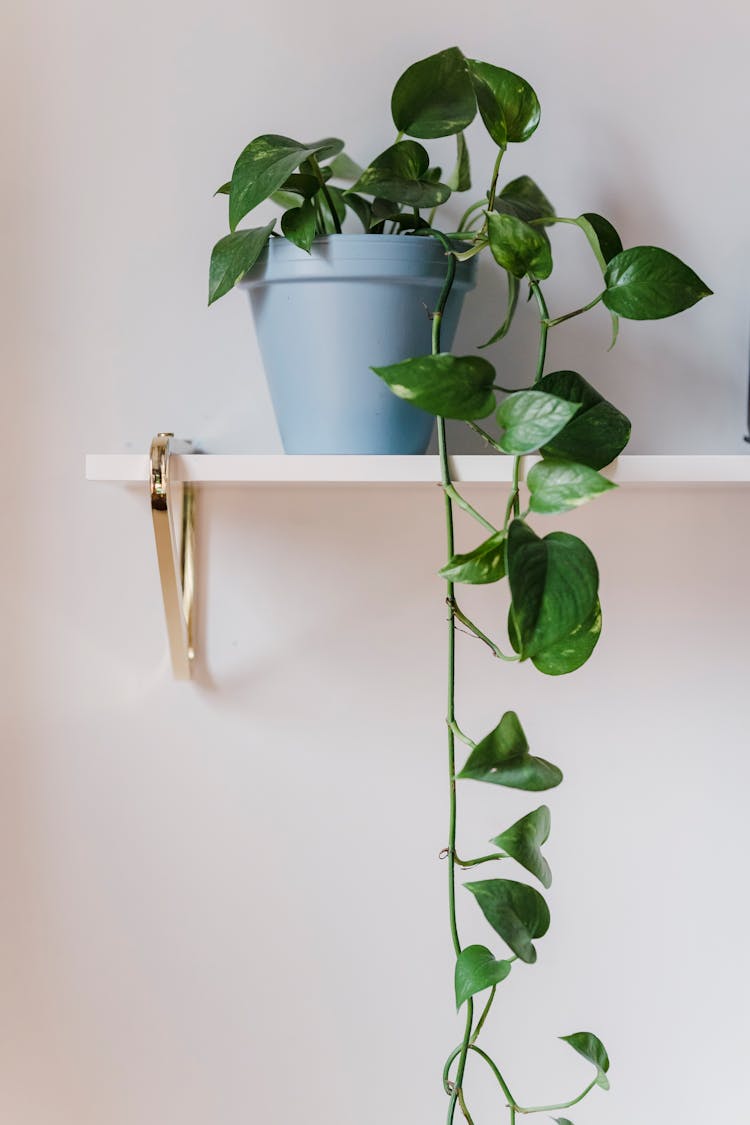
470 211
326 194
493 184
513 505
460 734
483 1017
487 438
452 494
481 859
459 616
560 1105
482 1054
543 329
576 312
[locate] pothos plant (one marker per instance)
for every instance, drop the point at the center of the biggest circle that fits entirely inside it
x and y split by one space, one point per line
555 617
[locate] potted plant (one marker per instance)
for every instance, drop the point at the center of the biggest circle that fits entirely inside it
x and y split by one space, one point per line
554 617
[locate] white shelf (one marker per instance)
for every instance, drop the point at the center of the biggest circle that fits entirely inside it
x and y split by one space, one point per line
254 468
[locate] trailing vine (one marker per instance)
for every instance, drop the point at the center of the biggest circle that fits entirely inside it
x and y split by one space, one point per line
555 617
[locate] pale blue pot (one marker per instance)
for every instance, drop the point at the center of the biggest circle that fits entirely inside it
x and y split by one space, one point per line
323 319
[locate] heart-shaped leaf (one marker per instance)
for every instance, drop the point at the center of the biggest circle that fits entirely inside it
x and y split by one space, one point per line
599 431
400 175
342 167
435 96
558 486
553 584
524 199
486 563
647 283
516 912
449 385
519 248
477 969
593 1050
568 654
532 418
233 256
523 842
502 758
298 225
508 105
261 168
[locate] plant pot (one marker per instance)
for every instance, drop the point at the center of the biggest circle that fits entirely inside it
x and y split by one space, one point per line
324 319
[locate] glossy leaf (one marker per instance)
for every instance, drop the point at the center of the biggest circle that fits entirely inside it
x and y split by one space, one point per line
502 758
303 184
599 431
515 911
523 842
452 386
476 970
524 199
513 290
647 283
559 486
486 563
344 168
398 175
519 248
224 189
553 583
285 199
592 1049
508 106
233 256
327 148
298 225
460 177
531 418
261 169
570 653
435 96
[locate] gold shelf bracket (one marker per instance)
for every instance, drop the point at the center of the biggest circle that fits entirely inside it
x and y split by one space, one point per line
175 556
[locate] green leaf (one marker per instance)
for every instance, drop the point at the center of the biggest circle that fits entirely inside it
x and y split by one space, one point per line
325 149
460 177
261 169
523 842
224 189
298 225
559 486
233 256
477 969
519 248
361 208
553 584
303 184
486 563
502 758
592 1049
513 290
398 175
524 199
434 97
646 283
508 105
602 237
286 199
338 198
449 385
562 1120
344 168
599 431
568 654
531 418
516 912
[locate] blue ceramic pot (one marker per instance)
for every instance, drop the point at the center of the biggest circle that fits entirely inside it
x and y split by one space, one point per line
324 319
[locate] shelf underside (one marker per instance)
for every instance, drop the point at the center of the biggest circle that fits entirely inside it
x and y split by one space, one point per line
253 468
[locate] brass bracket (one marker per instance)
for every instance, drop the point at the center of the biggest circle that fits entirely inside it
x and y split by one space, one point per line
176 557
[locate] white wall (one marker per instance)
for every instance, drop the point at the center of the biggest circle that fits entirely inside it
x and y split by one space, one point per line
221 901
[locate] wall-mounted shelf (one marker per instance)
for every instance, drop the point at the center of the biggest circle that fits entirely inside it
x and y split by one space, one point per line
255 468
168 464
